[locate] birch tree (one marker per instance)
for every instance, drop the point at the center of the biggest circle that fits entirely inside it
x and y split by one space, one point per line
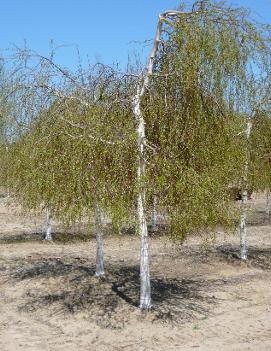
48 225
176 130
244 194
145 283
73 158
211 67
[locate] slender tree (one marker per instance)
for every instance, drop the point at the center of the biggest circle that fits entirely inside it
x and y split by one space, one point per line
204 80
76 151
48 225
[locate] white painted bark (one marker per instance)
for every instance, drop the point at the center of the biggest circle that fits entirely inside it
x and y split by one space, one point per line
244 205
267 210
99 242
154 225
145 285
48 225
243 226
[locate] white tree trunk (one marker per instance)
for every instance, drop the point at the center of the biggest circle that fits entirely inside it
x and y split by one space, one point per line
267 210
243 226
154 214
145 290
243 219
145 284
99 242
48 225
8 186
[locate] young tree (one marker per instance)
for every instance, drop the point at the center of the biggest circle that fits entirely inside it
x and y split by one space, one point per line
205 76
74 156
85 151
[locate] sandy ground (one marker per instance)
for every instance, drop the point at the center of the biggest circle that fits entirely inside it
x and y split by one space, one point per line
204 298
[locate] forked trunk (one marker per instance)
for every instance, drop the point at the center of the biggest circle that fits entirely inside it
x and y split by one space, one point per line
99 242
48 225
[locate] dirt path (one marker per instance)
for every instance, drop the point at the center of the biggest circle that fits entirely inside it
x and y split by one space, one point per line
202 299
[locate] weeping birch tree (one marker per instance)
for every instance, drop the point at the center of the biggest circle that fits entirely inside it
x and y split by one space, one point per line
210 68
76 157
200 76
94 141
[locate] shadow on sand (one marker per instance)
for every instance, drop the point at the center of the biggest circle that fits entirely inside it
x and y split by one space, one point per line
58 237
112 300
257 257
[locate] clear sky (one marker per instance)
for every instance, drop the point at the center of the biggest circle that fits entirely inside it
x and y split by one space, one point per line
103 30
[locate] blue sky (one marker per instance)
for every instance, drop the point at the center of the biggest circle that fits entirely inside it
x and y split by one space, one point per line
103 30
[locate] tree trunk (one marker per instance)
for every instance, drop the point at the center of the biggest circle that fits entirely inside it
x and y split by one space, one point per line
99 242
243 226
243 219
48 235
145 291
267 210
145 284
154 226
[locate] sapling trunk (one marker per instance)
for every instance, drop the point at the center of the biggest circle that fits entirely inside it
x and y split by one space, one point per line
99 242
154 226
267 210
243 226
243 217
48 225
145 283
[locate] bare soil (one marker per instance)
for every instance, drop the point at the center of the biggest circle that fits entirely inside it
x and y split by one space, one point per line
204 298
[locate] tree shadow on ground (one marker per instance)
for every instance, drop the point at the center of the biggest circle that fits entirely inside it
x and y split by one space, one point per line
112 300
48 268
257 257
172 299
67 236
258 217
58 237
20 238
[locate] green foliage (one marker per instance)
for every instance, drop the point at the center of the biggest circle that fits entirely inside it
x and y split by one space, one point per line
73 156
205 79
260 153
79 144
